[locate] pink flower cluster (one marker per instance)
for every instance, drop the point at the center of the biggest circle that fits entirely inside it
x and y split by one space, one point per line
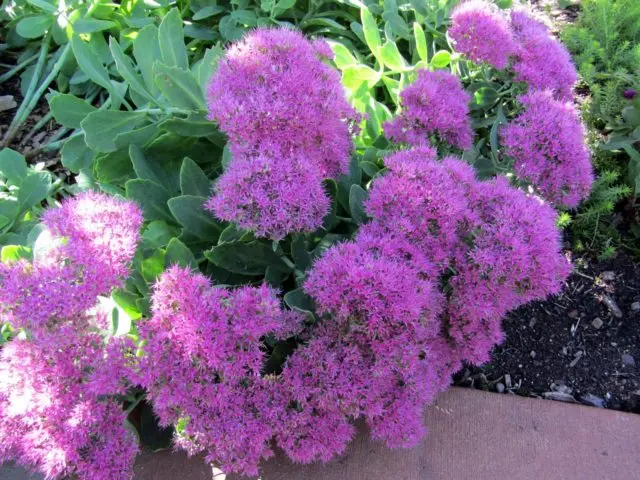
435 104
548 145
56 382
285 110
203 360
421 288
482 33
542 61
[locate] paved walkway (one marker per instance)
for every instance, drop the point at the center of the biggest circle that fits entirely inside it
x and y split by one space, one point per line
473 436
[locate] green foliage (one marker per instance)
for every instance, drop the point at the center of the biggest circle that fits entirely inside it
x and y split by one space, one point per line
24 191
605 43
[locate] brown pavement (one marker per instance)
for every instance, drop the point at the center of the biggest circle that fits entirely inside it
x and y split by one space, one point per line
473 435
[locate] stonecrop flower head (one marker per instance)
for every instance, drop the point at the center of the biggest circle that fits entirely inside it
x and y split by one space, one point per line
547 142
203 359
271 195
420 199
54 419
383 309
511 255
435 104
542 61
272 92
93 238
482 33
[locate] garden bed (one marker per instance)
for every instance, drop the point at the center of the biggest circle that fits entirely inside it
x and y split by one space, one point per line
583 345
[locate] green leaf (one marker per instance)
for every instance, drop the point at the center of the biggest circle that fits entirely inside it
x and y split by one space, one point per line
90 63
397 24
485 96
34 26
193 181
208 65
13 166
14 253
245 17
246 258
354 76
138 136
357 196
158 233
152 266
127 71
9 210
421 42
179 254
300 302
34 189
190 213
299 253
127 302
76 155
371 33
91 25
69 110
102 126
146 50
343 57
147 169
44 5
392 57
151 197
441 59
208 11
232 234
195 125
179 86
171 41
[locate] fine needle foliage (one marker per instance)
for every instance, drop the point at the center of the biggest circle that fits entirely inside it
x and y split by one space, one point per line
286 217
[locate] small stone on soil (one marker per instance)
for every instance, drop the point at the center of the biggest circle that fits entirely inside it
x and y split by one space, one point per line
559 396
573 314
612 306
628 360
593 400
532 322
7 102
499 387
635 306
608 276
597 323
532 354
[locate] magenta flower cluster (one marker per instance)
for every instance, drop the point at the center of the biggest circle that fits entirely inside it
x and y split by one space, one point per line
482 33
289 127
542 61
202 367
57 381
547 142
434 105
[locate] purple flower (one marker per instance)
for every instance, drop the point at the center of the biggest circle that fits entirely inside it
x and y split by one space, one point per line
547 142
273 93
630 93
273 196
204 355
482 33
542 61
435 104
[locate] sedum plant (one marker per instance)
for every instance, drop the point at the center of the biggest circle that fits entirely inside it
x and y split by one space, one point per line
328 245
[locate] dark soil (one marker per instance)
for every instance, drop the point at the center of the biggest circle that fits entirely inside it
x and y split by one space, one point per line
583 345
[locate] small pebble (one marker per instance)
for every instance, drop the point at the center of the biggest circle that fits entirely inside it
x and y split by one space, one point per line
612 306
635 306
628 360
593 400
532 354
532 322
499 387
573 314
608 276
507 380
597 323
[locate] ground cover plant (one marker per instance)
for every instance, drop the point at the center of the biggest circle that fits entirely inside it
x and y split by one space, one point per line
605 42
271 240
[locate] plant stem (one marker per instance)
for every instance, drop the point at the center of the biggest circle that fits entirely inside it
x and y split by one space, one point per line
20 116
17 68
